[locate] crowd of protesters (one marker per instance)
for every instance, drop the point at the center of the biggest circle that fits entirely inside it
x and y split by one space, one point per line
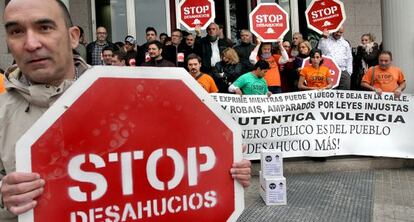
224 61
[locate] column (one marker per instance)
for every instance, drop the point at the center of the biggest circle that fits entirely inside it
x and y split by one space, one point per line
397 35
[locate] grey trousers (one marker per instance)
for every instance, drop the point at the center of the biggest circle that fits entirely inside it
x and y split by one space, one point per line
345 81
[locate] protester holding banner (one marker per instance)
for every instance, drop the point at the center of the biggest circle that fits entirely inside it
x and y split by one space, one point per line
384 77
252 83
316 76
263 51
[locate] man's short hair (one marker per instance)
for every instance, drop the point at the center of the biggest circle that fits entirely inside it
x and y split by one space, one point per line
177 30
66 14
194 56
262 64
108 48
120 55
157 43
386 52
148 29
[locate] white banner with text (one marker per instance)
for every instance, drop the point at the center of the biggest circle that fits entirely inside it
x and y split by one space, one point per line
324 123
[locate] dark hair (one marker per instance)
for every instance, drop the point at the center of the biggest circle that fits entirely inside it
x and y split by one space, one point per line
163 34
120 54
177 30
312 54
148 29
386 52
66 14
262 64
194 56
261 46
108 48
119 45
157 43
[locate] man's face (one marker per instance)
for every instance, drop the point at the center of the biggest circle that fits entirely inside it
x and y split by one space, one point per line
117 62
194 66
261 72
189 40
384 61
297 39
303 49
213 30
286 45
267 48
40 41
338 34
154 51
107 57
101 34
151 36
176 38
245 37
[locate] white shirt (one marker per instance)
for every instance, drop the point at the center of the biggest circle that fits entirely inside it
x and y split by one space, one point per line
339 50
215 53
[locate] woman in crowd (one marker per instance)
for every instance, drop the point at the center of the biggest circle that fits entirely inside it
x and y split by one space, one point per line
227 70
366 56
316 75
263 51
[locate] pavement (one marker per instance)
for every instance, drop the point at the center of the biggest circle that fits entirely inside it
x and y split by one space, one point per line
368 189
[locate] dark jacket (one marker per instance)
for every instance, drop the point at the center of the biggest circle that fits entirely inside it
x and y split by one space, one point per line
243 51
158 63
170 53
225 74
202 48
140 56
91 46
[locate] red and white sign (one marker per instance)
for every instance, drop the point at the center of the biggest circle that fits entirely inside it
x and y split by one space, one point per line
194 13
269 22
143 144
325 14
332 66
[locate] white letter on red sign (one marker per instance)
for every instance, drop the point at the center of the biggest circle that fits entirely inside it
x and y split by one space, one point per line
192 163
76 173
152 169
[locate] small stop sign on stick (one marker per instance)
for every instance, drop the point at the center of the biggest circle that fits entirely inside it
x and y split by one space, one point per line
194 13
269 22
325 14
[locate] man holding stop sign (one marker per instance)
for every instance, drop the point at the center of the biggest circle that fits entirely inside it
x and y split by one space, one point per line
40 36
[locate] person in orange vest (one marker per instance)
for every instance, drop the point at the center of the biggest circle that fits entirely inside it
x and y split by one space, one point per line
2 88
205 80
263 51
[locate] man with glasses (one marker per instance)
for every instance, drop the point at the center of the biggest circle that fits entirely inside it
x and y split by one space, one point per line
94 49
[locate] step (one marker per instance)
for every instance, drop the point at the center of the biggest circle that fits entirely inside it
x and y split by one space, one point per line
335 164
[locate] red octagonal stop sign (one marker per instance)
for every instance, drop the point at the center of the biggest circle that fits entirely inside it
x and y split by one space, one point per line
196 12
124 144
269 22
325 14
332 66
